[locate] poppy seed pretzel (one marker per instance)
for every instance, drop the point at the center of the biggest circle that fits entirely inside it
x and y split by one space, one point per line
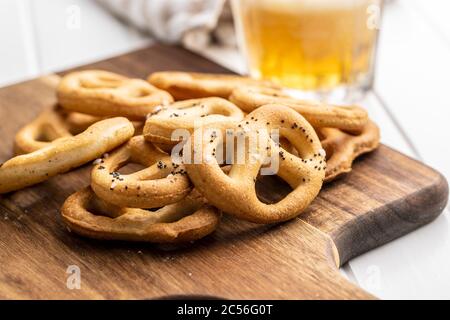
343 148
103 93
64 154
235 193
189 114
192 85
186 220
350 118
160 183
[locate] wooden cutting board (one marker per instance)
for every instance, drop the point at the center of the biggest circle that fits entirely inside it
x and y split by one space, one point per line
386 196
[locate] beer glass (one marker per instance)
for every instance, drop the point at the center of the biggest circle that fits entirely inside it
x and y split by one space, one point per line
321 48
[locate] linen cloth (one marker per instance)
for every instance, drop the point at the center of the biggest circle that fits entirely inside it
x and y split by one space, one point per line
194 23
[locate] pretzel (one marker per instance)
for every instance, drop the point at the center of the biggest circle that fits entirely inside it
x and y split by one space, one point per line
49 126
343 148
235 193
350 118
53 124
160 183
62 155
102 93
78 122
187 220
191 85
189 114
167 148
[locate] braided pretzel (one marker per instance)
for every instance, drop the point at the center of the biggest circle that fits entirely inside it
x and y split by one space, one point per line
102 93
189 114
161 183
343 148
64 154
191 85
235 193
187 220
350 118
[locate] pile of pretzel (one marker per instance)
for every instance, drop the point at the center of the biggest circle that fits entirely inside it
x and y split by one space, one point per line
112 121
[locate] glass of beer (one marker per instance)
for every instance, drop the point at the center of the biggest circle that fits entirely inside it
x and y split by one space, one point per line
319 48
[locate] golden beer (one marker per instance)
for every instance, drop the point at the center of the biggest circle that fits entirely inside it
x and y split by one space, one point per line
309 44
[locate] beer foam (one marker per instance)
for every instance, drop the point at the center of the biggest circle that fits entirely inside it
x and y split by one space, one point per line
313 4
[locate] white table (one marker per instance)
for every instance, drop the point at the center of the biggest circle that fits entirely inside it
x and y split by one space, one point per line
410 102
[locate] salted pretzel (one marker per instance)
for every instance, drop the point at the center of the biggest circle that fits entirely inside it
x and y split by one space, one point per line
64 154
235 193
350 118
191 85
343 148
189 114
103 93
186 220
160 183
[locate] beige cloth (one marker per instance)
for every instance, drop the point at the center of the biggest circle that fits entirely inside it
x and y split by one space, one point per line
195 23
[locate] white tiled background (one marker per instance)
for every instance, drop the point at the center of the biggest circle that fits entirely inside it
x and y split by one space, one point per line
410 102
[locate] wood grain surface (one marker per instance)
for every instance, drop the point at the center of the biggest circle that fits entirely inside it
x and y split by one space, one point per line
386 196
